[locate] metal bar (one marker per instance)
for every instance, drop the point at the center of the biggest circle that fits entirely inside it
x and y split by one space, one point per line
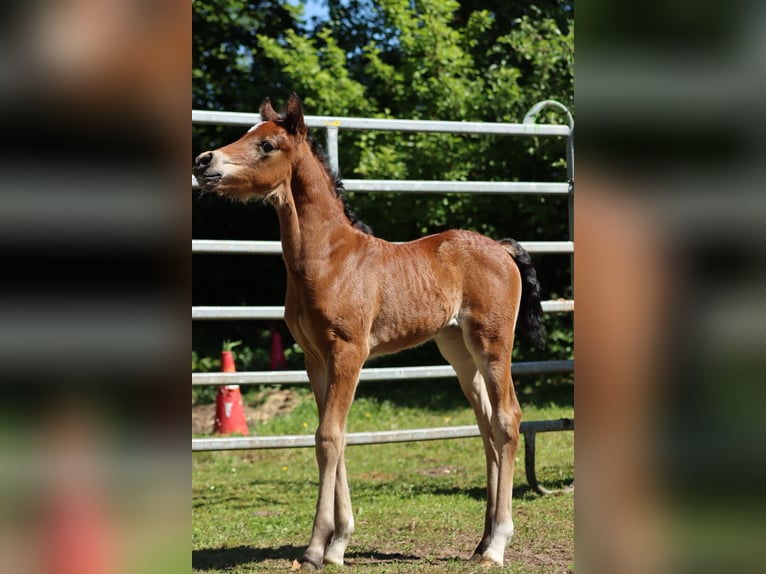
275 247
248 313
256 313
426 186
548 246
332 148
363 438
531 115
558 306
435 186
530 436
380 124
371 374
226 246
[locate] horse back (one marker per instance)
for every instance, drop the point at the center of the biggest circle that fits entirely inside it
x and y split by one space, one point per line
439 280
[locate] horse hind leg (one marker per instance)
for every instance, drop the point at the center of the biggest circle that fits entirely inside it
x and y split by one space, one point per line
452 347
491 349
506 419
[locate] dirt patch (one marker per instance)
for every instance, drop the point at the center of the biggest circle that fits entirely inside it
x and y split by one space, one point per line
264 406
203 418
438 471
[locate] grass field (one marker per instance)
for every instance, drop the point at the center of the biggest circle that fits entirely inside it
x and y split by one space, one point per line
418 507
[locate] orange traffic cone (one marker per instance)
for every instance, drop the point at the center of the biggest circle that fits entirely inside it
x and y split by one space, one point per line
229 411
278 360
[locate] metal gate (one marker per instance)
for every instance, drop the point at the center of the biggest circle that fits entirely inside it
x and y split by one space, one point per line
332 125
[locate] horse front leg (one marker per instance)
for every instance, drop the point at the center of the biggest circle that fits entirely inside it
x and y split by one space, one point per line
333 521
317 373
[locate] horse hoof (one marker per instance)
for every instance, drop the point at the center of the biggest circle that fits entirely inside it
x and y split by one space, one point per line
488 563
305 566
475 558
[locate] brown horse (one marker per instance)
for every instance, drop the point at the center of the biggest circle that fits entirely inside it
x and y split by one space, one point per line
351 296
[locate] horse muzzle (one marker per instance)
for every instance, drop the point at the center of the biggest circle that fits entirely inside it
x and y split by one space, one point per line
207 176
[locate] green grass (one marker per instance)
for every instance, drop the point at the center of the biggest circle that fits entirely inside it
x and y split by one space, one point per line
418 507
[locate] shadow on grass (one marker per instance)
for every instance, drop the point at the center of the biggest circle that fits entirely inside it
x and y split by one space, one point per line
208 558
221 558
523 491
445 394
520 490
373 557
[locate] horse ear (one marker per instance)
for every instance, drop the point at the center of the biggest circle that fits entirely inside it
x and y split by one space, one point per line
267 112
293 120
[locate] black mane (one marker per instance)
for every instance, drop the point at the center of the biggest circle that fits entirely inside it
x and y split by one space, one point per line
340 191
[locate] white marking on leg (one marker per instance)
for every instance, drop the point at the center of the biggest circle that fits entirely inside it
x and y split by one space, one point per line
501 537
344 517
337 548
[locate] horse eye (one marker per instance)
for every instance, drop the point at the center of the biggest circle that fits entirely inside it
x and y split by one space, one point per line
267 147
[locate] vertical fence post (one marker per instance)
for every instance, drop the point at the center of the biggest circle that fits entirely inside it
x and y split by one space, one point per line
529 118
332 148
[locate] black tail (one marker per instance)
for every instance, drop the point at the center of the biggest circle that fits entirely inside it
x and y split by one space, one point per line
531 311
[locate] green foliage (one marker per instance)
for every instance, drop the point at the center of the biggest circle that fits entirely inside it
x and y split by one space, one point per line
249 358
229 345
417 63
318 67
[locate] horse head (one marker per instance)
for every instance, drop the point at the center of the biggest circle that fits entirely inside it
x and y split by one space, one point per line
260 163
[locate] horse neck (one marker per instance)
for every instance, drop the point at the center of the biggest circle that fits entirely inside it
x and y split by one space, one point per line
311 217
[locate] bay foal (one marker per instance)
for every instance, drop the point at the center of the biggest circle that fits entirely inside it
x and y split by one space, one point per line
351 296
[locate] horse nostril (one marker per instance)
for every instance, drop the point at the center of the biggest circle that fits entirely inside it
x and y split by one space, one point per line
204 159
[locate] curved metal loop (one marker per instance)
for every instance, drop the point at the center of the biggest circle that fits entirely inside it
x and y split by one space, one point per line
531 115
529 467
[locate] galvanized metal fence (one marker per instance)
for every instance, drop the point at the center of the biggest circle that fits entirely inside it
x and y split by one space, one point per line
332 125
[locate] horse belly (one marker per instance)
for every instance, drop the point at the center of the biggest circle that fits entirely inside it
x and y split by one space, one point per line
411 320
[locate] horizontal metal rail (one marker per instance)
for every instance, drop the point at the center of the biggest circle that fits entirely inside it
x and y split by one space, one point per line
275 247
373 437
370 375
480 187
236 247
213 312
428 186
267 313
380 124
